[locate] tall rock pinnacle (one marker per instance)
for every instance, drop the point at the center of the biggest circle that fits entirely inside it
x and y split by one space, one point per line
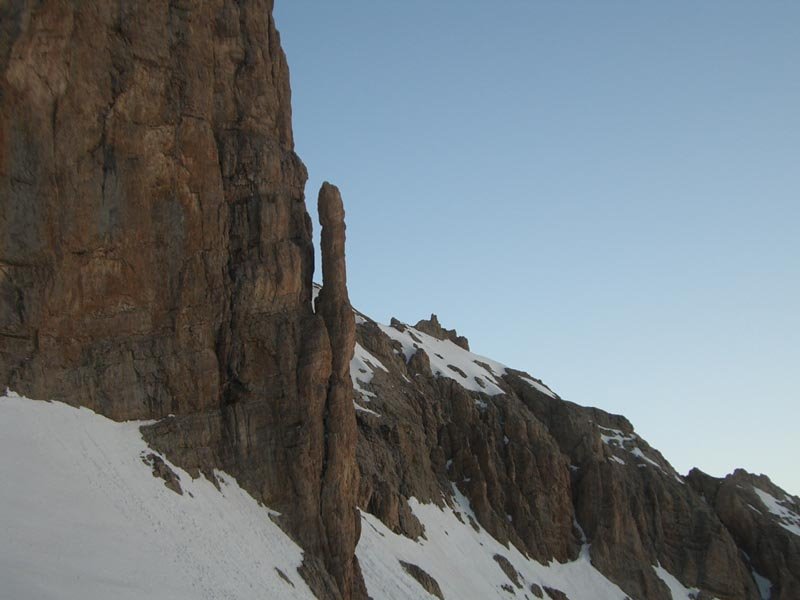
340 475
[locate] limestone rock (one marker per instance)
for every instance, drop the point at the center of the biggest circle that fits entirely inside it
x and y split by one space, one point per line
156 254
425 580
433 327
764 521
156 259
541 473
340 475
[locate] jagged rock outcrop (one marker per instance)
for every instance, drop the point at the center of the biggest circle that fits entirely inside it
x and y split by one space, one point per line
763 519
542 473
433 327
156 254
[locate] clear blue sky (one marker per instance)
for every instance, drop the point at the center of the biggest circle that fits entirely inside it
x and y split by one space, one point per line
605 194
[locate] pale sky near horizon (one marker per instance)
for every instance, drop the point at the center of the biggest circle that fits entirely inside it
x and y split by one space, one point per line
604 194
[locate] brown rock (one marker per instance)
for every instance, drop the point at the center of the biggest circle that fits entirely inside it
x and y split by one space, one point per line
156 254
340 480
156 258
772 549
433 328
555 594
163 471
428 583
532 466
508 569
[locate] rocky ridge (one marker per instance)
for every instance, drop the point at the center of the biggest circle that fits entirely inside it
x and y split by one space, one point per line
549 476
765 523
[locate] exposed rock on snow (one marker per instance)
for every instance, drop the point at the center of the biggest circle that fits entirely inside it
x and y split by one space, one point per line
462 560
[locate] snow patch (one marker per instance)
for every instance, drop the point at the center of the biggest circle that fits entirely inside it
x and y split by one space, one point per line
362 370
539 386
617 439
461 560
787 518
764 585
676 588
364 409
315 289
83 517
473 372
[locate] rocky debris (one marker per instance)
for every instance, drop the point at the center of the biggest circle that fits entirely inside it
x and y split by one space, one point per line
156 253
283 576
434 328
428 583
764 521
555 594
162 471
508 569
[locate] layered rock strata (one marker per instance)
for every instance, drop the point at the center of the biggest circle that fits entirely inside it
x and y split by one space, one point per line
156 254
156 262
541 473
764 521
340 470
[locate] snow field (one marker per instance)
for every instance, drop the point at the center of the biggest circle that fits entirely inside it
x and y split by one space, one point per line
84 518
449 360
786 518
461 560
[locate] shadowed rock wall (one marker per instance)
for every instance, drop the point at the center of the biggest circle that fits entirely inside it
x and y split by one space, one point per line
156 254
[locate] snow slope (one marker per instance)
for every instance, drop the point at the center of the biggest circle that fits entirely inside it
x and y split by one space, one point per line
785 517
461 559
676 588
82 517
473 372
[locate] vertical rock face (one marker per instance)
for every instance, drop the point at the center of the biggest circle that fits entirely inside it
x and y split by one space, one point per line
156 254
152 202
340 476
765 522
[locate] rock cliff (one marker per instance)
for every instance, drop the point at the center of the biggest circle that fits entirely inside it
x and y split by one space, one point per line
156 254
549 476
156 263
764 521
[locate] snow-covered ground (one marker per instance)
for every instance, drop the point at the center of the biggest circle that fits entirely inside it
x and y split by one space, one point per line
539 386
82 517
473 372
676 588
787 518
461 559
362 370
617 439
